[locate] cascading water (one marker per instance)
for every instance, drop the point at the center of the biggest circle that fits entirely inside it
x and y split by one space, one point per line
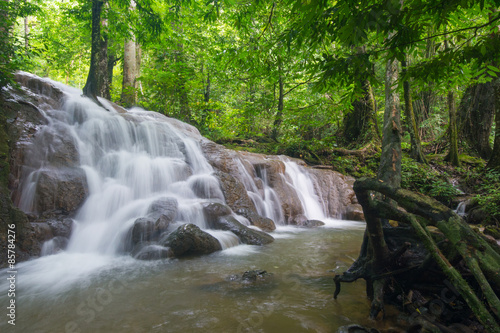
303 185
130 161
265 199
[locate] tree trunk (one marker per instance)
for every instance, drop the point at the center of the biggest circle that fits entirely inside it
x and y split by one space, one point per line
138 55
390 161
452 156
112 59
411 124
94 84
361 123
206 93
376 257
26 35
476 114
279 114
494 162
128 96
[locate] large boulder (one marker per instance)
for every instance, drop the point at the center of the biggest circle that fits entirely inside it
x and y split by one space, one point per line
245 234
189 239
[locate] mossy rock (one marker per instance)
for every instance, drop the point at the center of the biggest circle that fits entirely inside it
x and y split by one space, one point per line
492 231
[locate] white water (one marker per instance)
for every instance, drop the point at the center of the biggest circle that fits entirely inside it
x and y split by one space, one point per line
303 185
265 199
130 160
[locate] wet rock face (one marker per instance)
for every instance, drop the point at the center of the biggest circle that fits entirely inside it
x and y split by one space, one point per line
354 212
189 239
61 190
213 211
234 192
255 219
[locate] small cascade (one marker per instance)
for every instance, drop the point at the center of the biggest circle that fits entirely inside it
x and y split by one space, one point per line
265 199
304 186
460 210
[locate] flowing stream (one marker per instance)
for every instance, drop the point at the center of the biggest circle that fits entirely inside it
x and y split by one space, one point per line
130 161
74 292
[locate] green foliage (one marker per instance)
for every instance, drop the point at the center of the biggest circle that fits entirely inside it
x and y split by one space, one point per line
424 179
489 197
12 53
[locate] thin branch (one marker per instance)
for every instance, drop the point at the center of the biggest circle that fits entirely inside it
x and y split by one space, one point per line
476 28
298 85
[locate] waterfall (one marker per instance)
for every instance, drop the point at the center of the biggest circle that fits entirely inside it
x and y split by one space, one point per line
265 199
303 184
130 160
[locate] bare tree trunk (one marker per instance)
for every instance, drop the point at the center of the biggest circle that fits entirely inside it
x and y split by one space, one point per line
361 122
494 162
279 114
390 161
452 156
26 35
476 115
128 96
93 86
416 149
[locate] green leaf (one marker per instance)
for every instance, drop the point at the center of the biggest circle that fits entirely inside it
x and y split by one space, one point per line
493 68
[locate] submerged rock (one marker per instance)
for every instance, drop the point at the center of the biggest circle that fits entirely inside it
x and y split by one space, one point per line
313 224
189 239
356 329
152 252
245 234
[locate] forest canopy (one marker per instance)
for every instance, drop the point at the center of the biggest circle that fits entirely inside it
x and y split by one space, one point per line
306 76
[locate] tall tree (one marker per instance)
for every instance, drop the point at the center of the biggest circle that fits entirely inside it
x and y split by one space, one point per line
411 123
98 61
128 96
494 162
476 113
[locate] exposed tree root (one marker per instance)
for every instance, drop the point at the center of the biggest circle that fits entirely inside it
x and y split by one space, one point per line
377 263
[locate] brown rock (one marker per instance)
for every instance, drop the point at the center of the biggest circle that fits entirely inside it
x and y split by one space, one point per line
354 212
